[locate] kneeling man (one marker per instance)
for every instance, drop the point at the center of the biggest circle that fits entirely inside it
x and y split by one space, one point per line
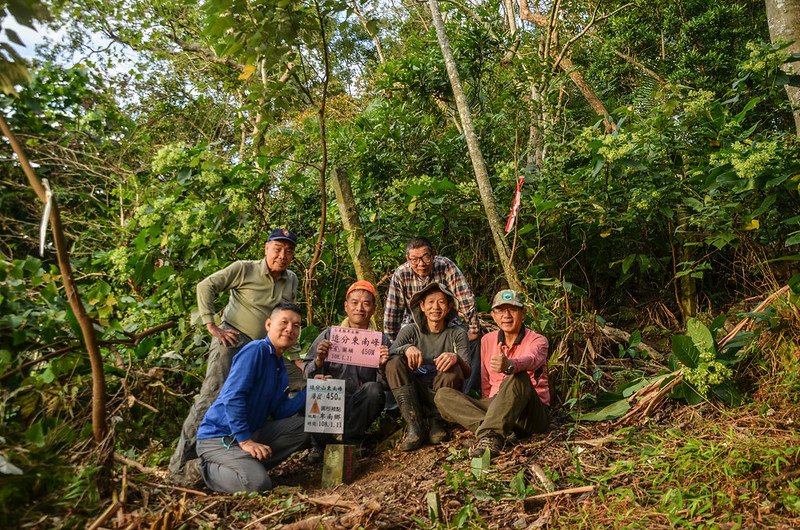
252 426
516 394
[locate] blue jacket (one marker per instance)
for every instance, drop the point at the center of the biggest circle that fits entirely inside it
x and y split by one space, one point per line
254 392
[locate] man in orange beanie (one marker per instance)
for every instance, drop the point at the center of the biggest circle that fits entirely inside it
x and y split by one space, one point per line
365 388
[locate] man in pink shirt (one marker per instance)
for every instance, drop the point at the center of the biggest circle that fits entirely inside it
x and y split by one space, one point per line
516 394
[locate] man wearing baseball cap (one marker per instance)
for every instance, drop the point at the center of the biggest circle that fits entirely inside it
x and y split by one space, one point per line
255 287
514 385
365 388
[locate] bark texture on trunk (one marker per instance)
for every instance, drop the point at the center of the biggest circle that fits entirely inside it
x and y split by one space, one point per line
783 18
356 242
99 426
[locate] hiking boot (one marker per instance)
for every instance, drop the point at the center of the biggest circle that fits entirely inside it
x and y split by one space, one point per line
191 476
316 454
490 441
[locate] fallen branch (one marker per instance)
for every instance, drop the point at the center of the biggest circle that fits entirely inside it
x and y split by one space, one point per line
196 514
265 517
160 473
568 491
332 501
176 488
748 320
111 510
618 335
649 398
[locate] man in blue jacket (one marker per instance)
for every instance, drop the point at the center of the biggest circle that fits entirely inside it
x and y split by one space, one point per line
252 426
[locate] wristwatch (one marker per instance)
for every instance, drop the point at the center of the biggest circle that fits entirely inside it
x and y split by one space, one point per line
510 369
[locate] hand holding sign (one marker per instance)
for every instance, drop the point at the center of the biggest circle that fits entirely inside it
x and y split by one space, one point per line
322 353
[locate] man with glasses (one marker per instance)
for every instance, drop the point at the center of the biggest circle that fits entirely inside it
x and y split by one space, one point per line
255 289
516 393
423 267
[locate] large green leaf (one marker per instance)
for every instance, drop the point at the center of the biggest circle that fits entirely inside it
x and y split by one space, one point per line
611 412
700 334
685 351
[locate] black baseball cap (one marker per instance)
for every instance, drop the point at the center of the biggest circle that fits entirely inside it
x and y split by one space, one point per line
281 234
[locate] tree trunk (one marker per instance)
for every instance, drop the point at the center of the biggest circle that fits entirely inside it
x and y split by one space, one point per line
783 19
356 242
99 427
687 285
565 63
374 36
478 164
308 286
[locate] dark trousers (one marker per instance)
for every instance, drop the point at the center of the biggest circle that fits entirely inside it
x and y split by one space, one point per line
398 374
360 409
474 379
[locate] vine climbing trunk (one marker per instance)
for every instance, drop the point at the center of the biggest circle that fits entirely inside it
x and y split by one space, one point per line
475 154
99 426
356 241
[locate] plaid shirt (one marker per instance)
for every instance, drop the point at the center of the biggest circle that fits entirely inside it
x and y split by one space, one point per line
405 283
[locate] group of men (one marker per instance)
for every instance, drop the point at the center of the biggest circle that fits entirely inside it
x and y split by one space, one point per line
244 421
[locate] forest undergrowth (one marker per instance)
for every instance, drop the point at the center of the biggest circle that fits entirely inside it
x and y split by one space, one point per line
704 465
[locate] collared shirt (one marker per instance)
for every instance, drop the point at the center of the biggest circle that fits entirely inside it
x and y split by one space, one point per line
528 354
254 392
253 295
405 284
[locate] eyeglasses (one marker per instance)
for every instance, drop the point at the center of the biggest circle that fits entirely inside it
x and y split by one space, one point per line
425 258
506 310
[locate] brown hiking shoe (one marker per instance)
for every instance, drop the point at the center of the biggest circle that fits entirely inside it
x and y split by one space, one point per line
191 476
490 441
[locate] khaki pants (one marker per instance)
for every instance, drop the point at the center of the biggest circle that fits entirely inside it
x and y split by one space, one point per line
515 408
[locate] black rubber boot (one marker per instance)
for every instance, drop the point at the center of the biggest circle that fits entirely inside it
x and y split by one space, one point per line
438 434
408 403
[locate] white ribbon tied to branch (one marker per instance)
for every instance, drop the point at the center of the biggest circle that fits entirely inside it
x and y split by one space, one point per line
48 205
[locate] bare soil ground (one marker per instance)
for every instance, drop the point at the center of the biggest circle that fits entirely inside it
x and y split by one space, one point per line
389 491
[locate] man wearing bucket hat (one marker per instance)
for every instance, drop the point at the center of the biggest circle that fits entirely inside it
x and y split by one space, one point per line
429 355
365 388
423 267
255 288
514 385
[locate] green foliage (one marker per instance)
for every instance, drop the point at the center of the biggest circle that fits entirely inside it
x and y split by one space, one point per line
172 166
13 68
686 478
703 366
